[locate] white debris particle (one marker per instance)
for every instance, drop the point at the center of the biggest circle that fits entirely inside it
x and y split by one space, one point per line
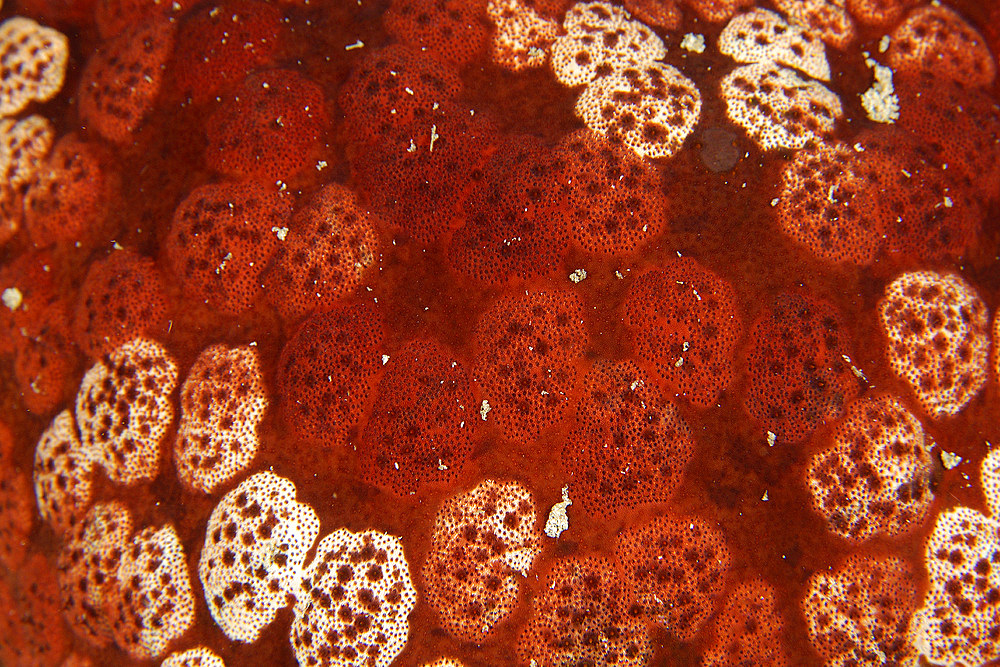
858 373
434 137
858 148
321 165
619 276
280 232
679 362
116 245
949 460
412 148
693 42
883 44
771 437
558 521
385 359
219 269
441 466
484 409
764 497
948 203
356 45
12 298
578 275
774 202
880 102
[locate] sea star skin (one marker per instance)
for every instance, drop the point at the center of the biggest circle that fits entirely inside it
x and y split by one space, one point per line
506 332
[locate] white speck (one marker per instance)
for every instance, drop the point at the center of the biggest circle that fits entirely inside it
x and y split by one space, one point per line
774 202
441 466
116 245
578 275
771 437
829 195
558 520
693 42
906 173
685 346
858 148
619 276
280 232
947 202
858 373
321 165
356 45
883 44
12 298
412 147
434 137
385 359
880 102
949 460
635 384
484 409
679 362
408 90
222 266
764 497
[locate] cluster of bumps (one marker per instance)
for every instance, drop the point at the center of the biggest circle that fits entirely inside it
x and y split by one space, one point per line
260 274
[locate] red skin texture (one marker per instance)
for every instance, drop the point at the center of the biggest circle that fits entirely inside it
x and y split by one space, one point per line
424 415
122 80
718 10
615 198
960 125
515 221
527 348
630 445
121 298
748 630
72 195
31 623
797 378
375 101
879 13
114 17
220 44
910 207
328 371
37 334
421 192
59 13
674 568
221 239
330 248
685 312
455 31
17 511
580 614
267 129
